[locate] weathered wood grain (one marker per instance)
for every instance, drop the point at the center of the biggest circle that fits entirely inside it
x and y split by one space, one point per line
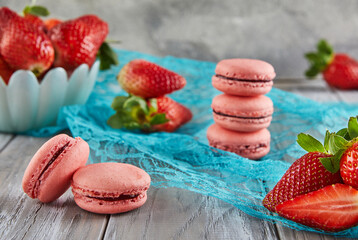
5 139
179 214
24 218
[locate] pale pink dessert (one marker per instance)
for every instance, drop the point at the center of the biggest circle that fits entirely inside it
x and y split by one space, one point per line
243 77
110 187
252 145
245 114
50 171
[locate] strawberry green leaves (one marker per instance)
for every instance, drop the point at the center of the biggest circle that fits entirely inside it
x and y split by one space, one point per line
353 127
319 60
134 112
309 143
36 10
334 143
107 56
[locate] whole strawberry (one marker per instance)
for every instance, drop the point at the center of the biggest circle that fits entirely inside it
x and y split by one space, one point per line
305 175
148 115
149 80
339 70
23 46
77 41
349 159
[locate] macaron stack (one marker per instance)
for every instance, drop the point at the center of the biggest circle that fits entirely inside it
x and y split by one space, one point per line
242 114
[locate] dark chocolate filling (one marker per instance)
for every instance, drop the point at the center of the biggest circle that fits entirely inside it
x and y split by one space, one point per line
54 157
121 197
227 115
241 80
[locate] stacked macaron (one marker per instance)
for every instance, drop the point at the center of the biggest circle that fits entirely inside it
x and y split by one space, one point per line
242 114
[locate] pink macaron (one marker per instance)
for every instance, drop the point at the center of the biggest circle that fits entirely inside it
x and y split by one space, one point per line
243 77
252 145
50 171
245 114
110 187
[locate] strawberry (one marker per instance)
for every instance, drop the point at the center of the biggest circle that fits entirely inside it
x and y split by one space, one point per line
148 115
78 41
148 80
305 175
23 46
176 113
5 16
50 23
349 159
5 71
333 208
339 70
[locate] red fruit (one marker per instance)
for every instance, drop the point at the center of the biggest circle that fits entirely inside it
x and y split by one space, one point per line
349 166
176 113
305 175
23 46
342 72
149 80
5 71
332 208
36 22
6 15
339 70
50 23
78 41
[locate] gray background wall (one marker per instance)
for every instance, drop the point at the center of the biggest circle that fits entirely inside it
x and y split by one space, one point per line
278 31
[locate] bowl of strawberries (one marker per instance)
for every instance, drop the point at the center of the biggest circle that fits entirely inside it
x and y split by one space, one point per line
45 65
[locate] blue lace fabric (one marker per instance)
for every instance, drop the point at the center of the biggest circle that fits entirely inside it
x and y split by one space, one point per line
184 159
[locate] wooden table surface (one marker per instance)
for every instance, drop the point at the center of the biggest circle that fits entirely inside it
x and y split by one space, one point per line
168 214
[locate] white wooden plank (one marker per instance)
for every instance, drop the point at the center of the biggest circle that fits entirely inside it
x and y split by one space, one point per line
179 214
24 218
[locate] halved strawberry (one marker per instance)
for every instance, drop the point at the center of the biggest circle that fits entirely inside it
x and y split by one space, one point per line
148 80
332 208
148 115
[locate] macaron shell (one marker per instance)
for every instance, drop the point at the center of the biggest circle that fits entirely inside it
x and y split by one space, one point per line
110 180
241 88
56 179
243 68
253 145
244 114
106 207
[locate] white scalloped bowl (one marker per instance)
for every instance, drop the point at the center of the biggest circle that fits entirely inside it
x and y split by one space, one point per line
26 104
